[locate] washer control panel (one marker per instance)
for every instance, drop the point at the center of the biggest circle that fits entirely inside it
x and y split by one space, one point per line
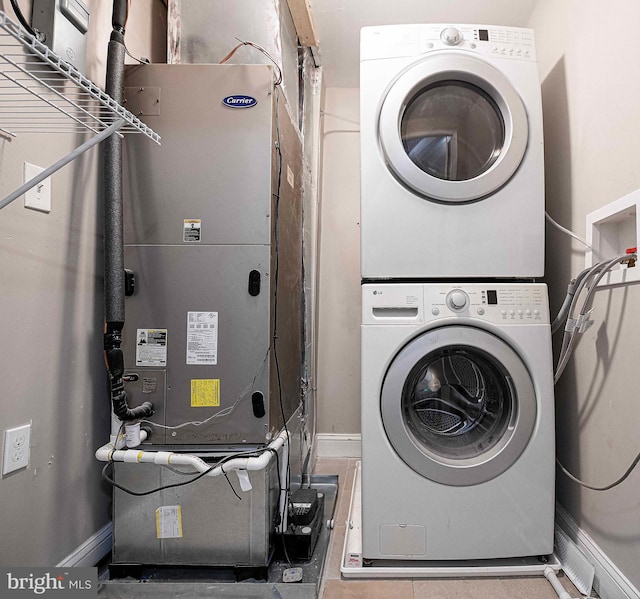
395 41
416 303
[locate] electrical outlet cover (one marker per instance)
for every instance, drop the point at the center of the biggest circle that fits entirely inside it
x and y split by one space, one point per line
16 448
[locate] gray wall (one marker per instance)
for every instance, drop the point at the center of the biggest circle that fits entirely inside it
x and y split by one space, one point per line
51 314
339 265
590 91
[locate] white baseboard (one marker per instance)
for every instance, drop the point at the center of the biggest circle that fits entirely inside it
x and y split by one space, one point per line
609 582
331 445
91 551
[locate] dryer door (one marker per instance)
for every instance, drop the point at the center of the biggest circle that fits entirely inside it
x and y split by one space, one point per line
458 405
452 128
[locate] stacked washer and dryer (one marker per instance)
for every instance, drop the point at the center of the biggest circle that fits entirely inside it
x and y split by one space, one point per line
458 440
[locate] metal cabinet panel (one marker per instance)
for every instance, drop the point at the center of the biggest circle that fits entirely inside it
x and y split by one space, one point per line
214 163
174 280
237 174
214 527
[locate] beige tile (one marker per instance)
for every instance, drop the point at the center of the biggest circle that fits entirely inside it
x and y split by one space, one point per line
344 495
368 589
334 557
537 587
530 587
461 588
332 466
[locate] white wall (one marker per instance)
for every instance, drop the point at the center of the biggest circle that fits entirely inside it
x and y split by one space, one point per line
339 266
589 57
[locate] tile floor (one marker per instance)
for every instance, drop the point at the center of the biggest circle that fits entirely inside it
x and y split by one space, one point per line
333 586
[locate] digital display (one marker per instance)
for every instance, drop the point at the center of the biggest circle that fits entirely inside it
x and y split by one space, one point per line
483 35
492 296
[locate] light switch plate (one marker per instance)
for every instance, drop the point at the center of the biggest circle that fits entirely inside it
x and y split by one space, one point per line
39 196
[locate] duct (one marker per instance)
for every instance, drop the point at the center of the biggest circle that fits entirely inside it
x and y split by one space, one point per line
204 32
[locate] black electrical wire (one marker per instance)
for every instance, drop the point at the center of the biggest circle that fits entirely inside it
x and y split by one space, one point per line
275 295
229 482
113 483
21 18
284 543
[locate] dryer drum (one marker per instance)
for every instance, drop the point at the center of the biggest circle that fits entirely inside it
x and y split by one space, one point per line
453 130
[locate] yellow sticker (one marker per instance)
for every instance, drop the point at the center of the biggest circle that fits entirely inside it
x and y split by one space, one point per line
205 393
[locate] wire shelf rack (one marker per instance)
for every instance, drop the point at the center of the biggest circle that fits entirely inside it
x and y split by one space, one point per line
41 93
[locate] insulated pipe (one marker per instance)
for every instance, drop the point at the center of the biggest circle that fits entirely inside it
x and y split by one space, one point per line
114 239
113 230
109 453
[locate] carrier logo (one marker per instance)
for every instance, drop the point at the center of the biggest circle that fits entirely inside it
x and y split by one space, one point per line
62 583
239 101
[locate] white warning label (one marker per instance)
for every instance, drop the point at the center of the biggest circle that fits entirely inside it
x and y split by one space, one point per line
192 230
151 347
169 522
202 338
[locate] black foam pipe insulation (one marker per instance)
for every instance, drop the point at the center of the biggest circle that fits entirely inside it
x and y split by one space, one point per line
113 230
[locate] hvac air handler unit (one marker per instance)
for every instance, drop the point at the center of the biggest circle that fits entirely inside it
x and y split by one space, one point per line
213 243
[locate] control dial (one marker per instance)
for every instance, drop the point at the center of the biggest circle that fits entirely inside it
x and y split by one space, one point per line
451 36
457 300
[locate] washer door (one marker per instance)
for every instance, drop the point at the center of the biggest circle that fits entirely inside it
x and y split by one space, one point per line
452 128
458 405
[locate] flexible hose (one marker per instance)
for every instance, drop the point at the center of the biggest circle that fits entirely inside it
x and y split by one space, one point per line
591 280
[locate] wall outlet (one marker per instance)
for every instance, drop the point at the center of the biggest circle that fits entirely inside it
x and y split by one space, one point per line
39 196
16 448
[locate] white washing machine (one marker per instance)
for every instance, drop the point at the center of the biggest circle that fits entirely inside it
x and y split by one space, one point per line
452 165
458 439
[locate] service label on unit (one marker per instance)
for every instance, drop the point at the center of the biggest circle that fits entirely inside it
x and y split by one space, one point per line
192 230
205 393
169 522
151 347
202 338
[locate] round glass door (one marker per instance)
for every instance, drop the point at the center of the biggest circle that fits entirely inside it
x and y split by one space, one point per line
452 128
453 131
458 405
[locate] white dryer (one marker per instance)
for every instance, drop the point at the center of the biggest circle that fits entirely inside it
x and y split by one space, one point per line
452 165
458 441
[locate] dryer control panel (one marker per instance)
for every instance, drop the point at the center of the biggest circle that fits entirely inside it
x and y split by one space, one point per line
417 303
395 41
